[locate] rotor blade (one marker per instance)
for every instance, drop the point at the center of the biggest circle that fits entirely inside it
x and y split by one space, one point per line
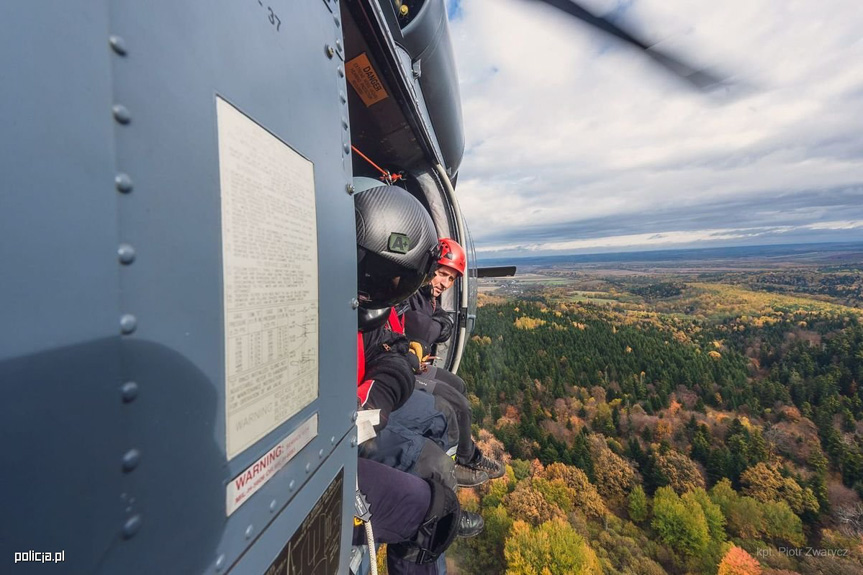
497 272
698 78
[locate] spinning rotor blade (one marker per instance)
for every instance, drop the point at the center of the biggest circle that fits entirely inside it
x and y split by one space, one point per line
697 78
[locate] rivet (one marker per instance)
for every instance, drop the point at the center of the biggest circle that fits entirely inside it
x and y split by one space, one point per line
347 148
350 189
131 460
336 20
308 467
129 391
220 562
341 72
118 45
121 114
354 441
126 253
132 525
354 416
338 45
123 183
355 303
321 454
128 323
329 51
333 440
272 506
249 531
342 97
291 485
344 123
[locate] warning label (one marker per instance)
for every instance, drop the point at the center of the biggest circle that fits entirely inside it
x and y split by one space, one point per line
365 81
243 486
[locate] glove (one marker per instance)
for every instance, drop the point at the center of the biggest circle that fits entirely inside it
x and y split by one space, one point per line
445 321
416 348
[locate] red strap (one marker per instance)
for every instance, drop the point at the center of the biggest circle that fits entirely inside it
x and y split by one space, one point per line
364 389
396 324
361 358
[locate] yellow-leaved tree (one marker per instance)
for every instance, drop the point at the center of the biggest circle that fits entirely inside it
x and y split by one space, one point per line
553 548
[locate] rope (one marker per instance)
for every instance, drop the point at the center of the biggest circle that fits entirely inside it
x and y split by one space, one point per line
386 175
373 556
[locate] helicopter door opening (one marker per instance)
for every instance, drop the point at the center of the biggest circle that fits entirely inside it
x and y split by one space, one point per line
393 123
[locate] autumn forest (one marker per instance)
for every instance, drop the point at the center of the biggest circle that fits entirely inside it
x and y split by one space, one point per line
669 420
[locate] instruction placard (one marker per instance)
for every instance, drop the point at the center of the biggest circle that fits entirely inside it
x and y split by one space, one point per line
270 276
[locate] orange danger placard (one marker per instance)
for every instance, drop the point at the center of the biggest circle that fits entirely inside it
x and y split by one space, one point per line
365 80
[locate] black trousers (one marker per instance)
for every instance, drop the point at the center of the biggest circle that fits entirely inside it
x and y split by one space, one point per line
451 388
399 503
445 376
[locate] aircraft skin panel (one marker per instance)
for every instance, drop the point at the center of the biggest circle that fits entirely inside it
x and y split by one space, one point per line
59 284
320 538
58 207
114 372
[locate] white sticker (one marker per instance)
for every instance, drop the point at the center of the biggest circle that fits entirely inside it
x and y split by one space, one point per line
270 274
256 475
366 421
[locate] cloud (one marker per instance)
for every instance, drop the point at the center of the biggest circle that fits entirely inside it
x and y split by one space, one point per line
677 238
571 137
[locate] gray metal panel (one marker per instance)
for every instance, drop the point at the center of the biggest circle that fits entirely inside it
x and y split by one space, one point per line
58 209
60 372
275 538
138 486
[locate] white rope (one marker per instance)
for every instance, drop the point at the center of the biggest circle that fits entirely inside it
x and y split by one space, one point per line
373 554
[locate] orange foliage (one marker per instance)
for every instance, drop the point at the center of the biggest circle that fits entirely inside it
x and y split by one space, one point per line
537 469
527 504
663 430
738 562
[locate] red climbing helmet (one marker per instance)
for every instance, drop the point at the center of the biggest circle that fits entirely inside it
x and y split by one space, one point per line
452 255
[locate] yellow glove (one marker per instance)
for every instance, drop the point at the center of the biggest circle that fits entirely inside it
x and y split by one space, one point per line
416 348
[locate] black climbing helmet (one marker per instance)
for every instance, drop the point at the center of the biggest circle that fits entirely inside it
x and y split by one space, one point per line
397 245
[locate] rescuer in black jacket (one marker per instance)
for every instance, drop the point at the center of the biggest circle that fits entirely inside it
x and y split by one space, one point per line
426 324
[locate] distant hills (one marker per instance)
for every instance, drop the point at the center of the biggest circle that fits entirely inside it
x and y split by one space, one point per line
828 252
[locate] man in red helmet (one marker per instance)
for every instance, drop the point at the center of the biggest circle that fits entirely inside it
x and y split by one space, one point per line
426 323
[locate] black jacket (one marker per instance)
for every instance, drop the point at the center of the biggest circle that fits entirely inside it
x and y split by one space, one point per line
391 367
425 320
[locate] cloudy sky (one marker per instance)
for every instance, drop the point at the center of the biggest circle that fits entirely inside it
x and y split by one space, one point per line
576 144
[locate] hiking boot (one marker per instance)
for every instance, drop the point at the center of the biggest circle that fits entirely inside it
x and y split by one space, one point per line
470 524
492 468
469 477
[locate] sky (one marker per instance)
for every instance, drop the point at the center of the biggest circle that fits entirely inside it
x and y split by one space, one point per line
577 144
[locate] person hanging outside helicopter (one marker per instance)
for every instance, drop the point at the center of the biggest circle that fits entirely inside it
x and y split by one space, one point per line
418 517
426 324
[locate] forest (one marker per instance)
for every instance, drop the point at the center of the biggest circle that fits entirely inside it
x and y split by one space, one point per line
668 425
